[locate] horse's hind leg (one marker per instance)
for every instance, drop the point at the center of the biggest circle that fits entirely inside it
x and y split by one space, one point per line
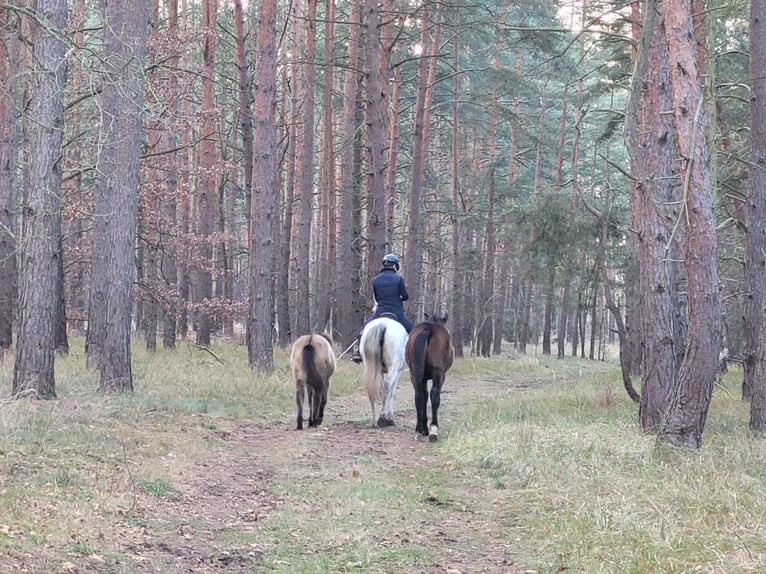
322 404
299 402
421 403
436 393
387 411
312 406
372 407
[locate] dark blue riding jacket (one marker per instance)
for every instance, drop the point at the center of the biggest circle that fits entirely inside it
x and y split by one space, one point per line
390 292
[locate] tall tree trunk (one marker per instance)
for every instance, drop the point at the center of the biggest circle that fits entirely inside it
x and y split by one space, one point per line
526 311
563 322
377 231
505 281
685 419
326 279
305 180
185 183
755 238
125 42
650 138
594 326
285 292
33 373
206 207
245 100
168 234
60 337
9 64
351 307
104 191
260 311
420 140
548 312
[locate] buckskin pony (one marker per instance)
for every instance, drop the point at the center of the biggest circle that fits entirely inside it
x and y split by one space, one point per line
382 349
429 355
312 362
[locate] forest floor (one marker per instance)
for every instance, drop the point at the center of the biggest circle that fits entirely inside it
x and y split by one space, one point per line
244 504
239 488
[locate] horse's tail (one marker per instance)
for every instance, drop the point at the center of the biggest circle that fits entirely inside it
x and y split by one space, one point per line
419 348
374 361
313 377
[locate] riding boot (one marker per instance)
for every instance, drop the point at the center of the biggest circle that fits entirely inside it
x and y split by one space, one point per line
356 356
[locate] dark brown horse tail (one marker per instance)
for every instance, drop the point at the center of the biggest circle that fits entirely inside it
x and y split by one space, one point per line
419 349
313 378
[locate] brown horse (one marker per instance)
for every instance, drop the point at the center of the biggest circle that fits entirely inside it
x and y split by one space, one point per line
429 355
312 362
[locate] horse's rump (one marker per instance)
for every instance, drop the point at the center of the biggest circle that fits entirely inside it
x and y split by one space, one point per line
373 356
417 359
313 377
382 349
312 362
430 344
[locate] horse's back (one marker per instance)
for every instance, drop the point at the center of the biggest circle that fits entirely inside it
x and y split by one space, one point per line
384 333
437 344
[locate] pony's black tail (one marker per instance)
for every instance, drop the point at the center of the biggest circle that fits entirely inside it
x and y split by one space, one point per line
313 378
419 348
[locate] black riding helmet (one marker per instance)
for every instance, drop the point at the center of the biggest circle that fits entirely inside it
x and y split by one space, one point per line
391 260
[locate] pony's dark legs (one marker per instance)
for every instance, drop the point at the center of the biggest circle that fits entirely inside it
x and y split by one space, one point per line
421 407
299 402
317 402
436 393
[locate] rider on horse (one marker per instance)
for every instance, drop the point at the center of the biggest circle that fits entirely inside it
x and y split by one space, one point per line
390 292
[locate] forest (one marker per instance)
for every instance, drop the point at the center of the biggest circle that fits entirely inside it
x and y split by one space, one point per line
569 175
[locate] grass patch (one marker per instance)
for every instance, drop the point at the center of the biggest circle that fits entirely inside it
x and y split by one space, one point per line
541 466
580 481
157 487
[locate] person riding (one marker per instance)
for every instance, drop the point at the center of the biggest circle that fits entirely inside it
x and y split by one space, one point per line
390 292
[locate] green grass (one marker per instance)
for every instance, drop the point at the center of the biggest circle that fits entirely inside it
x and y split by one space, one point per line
540 462
578 477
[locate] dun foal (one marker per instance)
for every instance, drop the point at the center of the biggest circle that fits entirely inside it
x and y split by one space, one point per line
312 362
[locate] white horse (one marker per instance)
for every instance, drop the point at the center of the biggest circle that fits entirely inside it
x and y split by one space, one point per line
382 349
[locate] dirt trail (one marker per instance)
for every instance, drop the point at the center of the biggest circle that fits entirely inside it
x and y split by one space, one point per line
232 491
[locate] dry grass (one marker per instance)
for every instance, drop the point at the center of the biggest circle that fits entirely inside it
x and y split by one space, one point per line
541 468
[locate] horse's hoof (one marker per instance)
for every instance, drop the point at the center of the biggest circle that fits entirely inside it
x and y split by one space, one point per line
384 422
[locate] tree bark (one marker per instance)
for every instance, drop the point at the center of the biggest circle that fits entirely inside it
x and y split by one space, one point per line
305 181
206 207
9 64
650 137
168 234
378 233
245 100
685 419
326 277
33 373
125 44
260 310
755 238
351 307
